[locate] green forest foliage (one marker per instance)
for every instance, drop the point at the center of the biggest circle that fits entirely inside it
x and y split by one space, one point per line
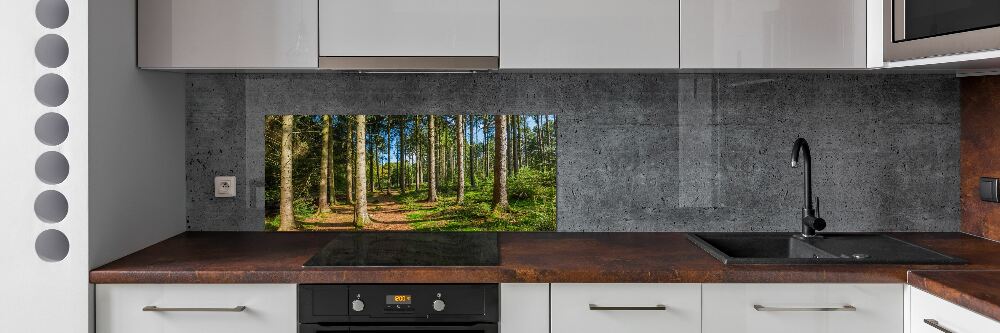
530 185
532 207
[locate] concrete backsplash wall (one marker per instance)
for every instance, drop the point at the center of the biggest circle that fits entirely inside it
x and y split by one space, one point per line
636 152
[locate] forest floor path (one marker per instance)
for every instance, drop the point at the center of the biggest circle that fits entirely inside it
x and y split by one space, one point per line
387 214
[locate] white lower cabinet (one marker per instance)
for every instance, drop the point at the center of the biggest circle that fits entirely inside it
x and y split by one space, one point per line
803 308
627 307
187 308
524 307
569 308
930 314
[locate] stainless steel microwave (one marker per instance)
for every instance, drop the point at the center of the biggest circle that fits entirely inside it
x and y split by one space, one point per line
917 29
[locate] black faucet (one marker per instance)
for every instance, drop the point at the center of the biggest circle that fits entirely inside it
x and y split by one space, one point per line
810 221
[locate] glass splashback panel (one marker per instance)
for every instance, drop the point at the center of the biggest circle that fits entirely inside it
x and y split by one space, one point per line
410 172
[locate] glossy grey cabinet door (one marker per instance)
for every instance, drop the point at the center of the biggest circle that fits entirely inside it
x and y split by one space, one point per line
220 34
413 28
589 34
777 34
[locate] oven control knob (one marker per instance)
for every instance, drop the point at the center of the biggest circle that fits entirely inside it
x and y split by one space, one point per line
358 305
438 305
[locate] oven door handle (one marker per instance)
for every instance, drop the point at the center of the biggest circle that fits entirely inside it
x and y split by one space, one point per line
484 328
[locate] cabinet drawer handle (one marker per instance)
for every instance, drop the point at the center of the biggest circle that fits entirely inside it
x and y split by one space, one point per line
768 308
595 307
934 323
159 309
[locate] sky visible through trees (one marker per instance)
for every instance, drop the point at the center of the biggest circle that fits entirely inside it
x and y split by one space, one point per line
409 172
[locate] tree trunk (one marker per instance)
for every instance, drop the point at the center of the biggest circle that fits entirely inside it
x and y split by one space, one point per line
432 195
453 158
555 138
449 170
517 142
472 151
400 162
287 218
552 130
418 169
509 152
538 142
376 180
361 201
549 130
486 146
370 179
378 163
500 166
350 162
443 155
331 160
524 142
526 145
511 146
460 159
511 134
324 167
388 157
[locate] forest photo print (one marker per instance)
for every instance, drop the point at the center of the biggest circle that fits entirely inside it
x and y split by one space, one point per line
410 172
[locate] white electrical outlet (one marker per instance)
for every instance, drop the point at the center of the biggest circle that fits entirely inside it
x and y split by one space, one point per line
225 186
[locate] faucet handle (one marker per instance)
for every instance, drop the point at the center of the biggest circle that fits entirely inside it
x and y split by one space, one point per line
817 206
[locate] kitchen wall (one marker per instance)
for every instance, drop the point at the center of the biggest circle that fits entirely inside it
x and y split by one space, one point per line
636 152
136 135
980 148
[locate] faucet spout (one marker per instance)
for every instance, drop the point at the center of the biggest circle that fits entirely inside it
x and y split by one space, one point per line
802 146
810 222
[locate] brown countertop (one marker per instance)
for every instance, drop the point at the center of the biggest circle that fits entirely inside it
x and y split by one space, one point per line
269 257
978 291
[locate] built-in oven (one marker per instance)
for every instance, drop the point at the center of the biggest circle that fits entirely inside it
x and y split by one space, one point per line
384 308
916 29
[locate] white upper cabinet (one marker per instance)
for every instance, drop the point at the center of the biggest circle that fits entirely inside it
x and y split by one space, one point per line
227 34
779 34
522 34
589 34
409 28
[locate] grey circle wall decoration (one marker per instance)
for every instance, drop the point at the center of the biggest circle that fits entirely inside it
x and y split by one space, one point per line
51 206
52 13
51 51
52 167
52 245
51 129
51 90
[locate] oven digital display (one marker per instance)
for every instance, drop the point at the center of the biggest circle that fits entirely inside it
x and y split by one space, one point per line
398 299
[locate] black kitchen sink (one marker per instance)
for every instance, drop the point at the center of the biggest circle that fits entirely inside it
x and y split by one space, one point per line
832 248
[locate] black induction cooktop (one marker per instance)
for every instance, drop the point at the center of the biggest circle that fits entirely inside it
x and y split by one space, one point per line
409 249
